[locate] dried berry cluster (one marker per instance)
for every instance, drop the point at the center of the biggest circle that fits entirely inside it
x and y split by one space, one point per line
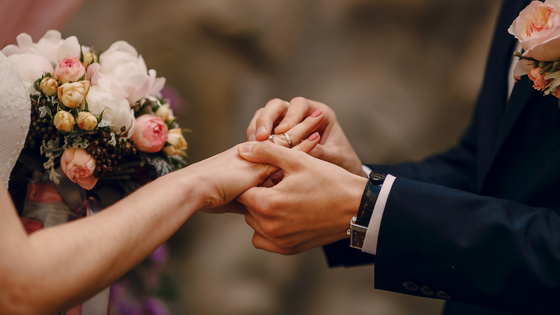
40 128
108 157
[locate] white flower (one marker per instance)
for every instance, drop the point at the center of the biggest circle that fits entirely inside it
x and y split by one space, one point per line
31 60
128 72
117 108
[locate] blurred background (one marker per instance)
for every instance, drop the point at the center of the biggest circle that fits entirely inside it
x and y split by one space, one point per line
402 76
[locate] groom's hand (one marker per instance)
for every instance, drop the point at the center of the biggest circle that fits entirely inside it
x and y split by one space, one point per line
310 207
284 117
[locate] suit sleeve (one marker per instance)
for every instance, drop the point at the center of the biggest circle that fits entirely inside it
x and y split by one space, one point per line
473 249
454 169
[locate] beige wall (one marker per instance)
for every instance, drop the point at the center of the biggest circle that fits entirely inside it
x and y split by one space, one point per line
402 76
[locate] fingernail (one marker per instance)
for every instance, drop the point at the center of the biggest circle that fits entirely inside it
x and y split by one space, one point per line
313 136
261 130
282 125
246 147
317 113
252 137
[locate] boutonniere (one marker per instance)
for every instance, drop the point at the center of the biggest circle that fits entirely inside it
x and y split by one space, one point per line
538 30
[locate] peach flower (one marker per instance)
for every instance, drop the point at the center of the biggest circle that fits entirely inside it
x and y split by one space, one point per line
150 134
48 86
79 166
69 69
177 141
539 82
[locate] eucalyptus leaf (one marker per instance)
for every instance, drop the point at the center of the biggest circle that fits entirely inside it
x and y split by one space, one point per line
161 166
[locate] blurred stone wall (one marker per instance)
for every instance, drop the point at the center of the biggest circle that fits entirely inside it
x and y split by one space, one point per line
402 76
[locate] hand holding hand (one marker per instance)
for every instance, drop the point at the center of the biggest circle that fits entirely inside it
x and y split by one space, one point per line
310 207
226 175
287 117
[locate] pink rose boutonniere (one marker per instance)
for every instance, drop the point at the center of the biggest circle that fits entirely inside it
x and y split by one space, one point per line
538 30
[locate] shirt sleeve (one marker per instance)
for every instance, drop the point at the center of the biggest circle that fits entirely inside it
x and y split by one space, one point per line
372 234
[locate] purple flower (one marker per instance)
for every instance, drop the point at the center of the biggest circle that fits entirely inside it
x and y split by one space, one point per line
175 100
160 255
153 306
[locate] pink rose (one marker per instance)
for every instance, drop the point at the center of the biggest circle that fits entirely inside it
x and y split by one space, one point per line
150 134
70 69
538 30
539 82
79 166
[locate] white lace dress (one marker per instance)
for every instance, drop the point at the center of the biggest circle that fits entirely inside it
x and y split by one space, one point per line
15 116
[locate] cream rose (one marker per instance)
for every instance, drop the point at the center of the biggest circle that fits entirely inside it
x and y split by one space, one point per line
48 86
150 134
86 121
164 112
116 109
64 121
73 94
69 69
538 30
79 167
177 141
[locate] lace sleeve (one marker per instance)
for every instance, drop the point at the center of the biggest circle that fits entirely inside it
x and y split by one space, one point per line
15 111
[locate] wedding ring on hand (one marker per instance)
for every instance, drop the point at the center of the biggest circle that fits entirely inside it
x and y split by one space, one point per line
285 137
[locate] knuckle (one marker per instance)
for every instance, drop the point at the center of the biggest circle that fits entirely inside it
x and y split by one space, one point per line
298 100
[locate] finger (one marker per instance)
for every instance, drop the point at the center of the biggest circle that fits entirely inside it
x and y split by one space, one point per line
252 129
269 153
232 207
253 223
298 110
276 177
309 144
261 242
273 111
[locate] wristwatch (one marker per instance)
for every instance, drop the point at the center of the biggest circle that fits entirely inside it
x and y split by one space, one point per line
359 224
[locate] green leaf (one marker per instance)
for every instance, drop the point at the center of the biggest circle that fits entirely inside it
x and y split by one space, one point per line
81 53
36 84
87 107
99 54
100 117
187 130
82 78
48 75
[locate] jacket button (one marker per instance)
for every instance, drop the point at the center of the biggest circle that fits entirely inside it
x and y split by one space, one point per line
427 291
409 285
443 295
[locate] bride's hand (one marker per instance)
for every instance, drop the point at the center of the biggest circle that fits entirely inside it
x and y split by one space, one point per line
225 176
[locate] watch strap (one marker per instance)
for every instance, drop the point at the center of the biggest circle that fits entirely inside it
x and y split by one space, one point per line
369 198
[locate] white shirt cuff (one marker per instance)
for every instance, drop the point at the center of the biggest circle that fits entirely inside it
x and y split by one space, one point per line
366 170
372 234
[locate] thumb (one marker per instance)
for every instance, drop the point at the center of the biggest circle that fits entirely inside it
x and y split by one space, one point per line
269 153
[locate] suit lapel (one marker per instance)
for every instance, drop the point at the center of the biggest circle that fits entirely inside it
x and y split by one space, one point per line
505 112
520 95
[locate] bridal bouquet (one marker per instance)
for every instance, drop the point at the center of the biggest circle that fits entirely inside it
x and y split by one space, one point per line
99 128
538 30
94 112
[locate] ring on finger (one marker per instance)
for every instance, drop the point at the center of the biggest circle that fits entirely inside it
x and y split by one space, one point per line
288 139
271 138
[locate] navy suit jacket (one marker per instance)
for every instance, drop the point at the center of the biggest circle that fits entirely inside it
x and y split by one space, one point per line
479 224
